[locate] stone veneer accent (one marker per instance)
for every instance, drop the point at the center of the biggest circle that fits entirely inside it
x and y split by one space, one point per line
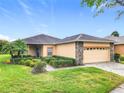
79 53
112 52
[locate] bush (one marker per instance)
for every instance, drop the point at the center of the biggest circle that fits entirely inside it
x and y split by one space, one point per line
65 58
117 57
61 63
16 60
122 58
48 59
22 62
39 68
32 64
27 62
8 62
36 60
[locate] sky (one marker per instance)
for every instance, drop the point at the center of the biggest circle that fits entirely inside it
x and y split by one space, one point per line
59 18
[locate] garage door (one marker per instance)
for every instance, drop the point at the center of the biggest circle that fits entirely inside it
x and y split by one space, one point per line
95 55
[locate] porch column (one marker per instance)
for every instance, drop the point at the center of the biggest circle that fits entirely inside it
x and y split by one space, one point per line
79 53
112 52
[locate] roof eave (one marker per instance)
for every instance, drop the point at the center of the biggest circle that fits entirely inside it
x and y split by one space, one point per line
85 41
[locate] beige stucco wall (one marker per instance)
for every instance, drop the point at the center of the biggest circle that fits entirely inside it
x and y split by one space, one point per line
45 49
31 50
67 50
88 44
100 52
119 49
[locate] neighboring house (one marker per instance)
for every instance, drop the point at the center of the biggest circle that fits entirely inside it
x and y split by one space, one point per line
84 48
118 44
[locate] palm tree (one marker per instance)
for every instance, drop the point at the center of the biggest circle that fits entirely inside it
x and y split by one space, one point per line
2 43
115 34
8 48
20 47
17 46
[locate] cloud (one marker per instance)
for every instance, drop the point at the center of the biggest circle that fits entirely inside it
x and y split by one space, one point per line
4 10
3 37
93 8
25 7
44 3
6 13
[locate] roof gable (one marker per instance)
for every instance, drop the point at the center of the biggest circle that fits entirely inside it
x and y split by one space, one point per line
41 39
84 37
117 40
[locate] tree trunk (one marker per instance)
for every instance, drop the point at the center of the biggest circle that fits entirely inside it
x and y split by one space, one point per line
19 53
11 53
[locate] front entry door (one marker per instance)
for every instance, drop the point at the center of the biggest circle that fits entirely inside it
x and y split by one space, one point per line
37 49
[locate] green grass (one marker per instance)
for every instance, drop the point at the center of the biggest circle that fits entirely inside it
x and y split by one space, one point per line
122 62
18 79
4 57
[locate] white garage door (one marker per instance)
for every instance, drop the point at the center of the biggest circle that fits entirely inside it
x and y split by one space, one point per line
95 55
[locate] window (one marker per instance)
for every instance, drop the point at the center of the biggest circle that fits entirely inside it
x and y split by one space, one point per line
88 48
49 51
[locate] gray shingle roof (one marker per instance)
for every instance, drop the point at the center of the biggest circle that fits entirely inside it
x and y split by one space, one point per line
45 39
117 40
84 37
41 39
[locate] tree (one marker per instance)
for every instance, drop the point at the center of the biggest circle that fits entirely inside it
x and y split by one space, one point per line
101 5
8 48
115 34
2 43
20 47
15 48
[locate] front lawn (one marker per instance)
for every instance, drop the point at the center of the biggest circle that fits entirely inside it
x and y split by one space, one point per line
18 79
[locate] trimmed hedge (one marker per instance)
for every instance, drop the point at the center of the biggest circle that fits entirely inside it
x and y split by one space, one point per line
122 57
25 61
117 57
59 61
55 61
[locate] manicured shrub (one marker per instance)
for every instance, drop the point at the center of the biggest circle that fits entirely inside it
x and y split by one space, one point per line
61 63
122 58
15 60
27 56
65 58
39 68
48 59
36 60
32 64
8 61
27 62
117 57
22 62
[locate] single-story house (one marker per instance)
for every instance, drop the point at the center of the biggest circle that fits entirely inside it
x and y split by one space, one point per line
84 48
118 44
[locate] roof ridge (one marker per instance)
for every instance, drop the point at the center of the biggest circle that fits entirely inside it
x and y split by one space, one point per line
78 37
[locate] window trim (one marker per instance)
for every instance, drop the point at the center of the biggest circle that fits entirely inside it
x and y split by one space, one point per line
49 52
